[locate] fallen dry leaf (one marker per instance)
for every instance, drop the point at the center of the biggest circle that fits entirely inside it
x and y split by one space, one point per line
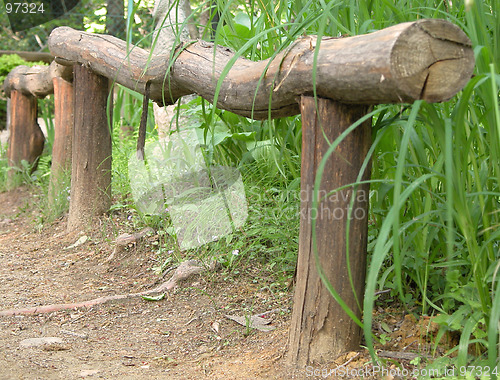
254 322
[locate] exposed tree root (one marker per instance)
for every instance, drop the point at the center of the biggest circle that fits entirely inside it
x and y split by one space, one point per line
124 240
401 355
183 271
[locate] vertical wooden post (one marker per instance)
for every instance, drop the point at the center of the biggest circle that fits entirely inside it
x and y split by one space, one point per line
9 110
26 138
320 330
91 154
63 134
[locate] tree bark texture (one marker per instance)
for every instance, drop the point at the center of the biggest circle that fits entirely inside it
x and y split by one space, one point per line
192 26
26 138
320 330
91 157
169 16
63 135
170 30
427 59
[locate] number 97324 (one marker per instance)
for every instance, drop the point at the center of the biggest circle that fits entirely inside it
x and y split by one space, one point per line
24 7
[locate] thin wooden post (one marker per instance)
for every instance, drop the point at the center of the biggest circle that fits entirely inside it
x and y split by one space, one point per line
320 330
91 154
63 134
26 138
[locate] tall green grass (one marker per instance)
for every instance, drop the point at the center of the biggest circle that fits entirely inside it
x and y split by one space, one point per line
437 197
435 182
3 167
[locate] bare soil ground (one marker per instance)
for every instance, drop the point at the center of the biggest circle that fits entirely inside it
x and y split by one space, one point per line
184 336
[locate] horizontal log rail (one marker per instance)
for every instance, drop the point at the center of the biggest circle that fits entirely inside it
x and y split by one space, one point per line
37 80
30 56
427 59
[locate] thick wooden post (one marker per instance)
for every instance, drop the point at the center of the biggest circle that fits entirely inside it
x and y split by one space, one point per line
91 156
320 330
26 138
63 134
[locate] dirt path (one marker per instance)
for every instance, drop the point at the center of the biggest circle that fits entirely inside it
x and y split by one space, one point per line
184 336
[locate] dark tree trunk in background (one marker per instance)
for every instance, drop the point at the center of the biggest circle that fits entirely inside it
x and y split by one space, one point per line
209 21
91 158
115 19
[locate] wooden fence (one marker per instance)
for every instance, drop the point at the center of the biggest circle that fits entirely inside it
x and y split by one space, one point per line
427 59
29 55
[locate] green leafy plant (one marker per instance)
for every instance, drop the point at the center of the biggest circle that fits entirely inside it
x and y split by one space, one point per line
11 61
